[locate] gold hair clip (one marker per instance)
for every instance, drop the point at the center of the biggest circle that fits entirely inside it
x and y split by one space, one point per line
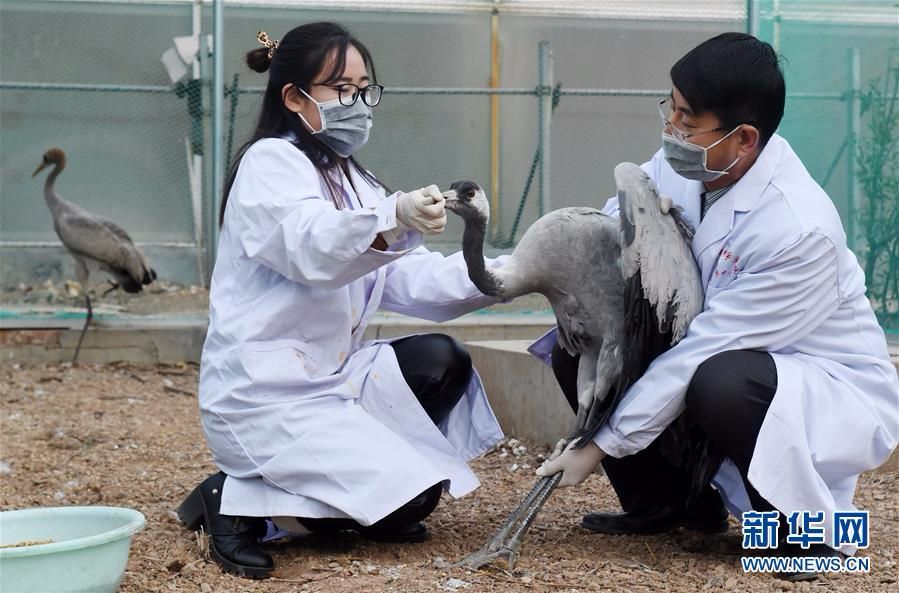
271 44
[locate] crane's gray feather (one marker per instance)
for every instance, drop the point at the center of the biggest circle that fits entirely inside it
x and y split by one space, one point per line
573 336
657 246
622 290
102 241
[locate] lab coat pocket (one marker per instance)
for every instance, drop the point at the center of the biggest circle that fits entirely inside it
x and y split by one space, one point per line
725 269
278 364
717 284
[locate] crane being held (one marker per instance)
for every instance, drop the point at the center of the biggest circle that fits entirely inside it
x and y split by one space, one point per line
622 290
93 241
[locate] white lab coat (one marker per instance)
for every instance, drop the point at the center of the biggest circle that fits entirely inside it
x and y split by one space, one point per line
305 418
778 277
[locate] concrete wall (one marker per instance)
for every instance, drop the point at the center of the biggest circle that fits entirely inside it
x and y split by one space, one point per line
524 393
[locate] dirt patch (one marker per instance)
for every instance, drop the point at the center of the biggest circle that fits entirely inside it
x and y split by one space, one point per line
129 435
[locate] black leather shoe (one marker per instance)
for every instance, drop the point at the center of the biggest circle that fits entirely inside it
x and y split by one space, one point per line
646 522
232 540
710 519
397 534
654 520
407 534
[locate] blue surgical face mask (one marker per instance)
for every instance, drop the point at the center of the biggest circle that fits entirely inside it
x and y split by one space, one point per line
345 128
690 160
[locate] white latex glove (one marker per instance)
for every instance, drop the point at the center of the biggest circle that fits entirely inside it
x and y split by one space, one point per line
422 210
575 464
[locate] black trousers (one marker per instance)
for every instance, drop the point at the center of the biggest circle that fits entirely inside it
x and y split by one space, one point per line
438 369
727 398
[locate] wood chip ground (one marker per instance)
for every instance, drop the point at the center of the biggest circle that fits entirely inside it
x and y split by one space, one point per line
129 435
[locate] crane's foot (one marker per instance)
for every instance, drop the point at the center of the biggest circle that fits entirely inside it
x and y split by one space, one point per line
112 286
484 557
87 322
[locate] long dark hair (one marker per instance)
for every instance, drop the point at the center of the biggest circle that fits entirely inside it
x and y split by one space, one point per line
298 60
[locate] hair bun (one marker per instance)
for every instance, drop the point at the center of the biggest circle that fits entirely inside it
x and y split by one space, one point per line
258 59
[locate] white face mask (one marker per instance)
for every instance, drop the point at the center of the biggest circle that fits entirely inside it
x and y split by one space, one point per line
345 128
689 160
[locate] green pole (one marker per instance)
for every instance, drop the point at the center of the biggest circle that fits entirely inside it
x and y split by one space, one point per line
545 109
752 17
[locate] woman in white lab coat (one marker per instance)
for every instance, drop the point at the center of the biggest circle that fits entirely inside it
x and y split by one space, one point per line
307 423
786 369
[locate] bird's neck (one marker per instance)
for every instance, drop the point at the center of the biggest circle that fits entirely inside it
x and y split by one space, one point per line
487 281
53 200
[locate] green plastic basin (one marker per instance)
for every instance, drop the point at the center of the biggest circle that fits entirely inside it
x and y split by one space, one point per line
88 553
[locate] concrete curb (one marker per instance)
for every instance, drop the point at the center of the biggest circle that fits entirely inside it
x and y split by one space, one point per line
52 337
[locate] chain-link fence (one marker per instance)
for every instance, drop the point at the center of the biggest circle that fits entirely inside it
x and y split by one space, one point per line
842 118
86 77
470 95
437 124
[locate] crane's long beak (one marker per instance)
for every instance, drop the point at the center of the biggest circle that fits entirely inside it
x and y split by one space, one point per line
39 169
452 200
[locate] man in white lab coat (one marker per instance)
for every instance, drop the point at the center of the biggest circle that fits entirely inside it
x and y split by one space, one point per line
786 369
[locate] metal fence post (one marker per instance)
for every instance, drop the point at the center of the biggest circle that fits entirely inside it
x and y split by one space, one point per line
544 117
855 125
752 17
496 218
218 101
776 25
194 144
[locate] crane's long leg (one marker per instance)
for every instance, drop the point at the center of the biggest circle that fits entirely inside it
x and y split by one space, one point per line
512 520
81 270
586 386
508 538
87 321
608 365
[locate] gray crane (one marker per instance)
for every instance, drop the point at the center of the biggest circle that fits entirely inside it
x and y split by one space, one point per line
622 290
93 241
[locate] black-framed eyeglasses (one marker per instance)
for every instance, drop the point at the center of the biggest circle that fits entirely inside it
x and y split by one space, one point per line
348 93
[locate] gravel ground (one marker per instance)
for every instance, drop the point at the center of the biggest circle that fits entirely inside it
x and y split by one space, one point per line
129 435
